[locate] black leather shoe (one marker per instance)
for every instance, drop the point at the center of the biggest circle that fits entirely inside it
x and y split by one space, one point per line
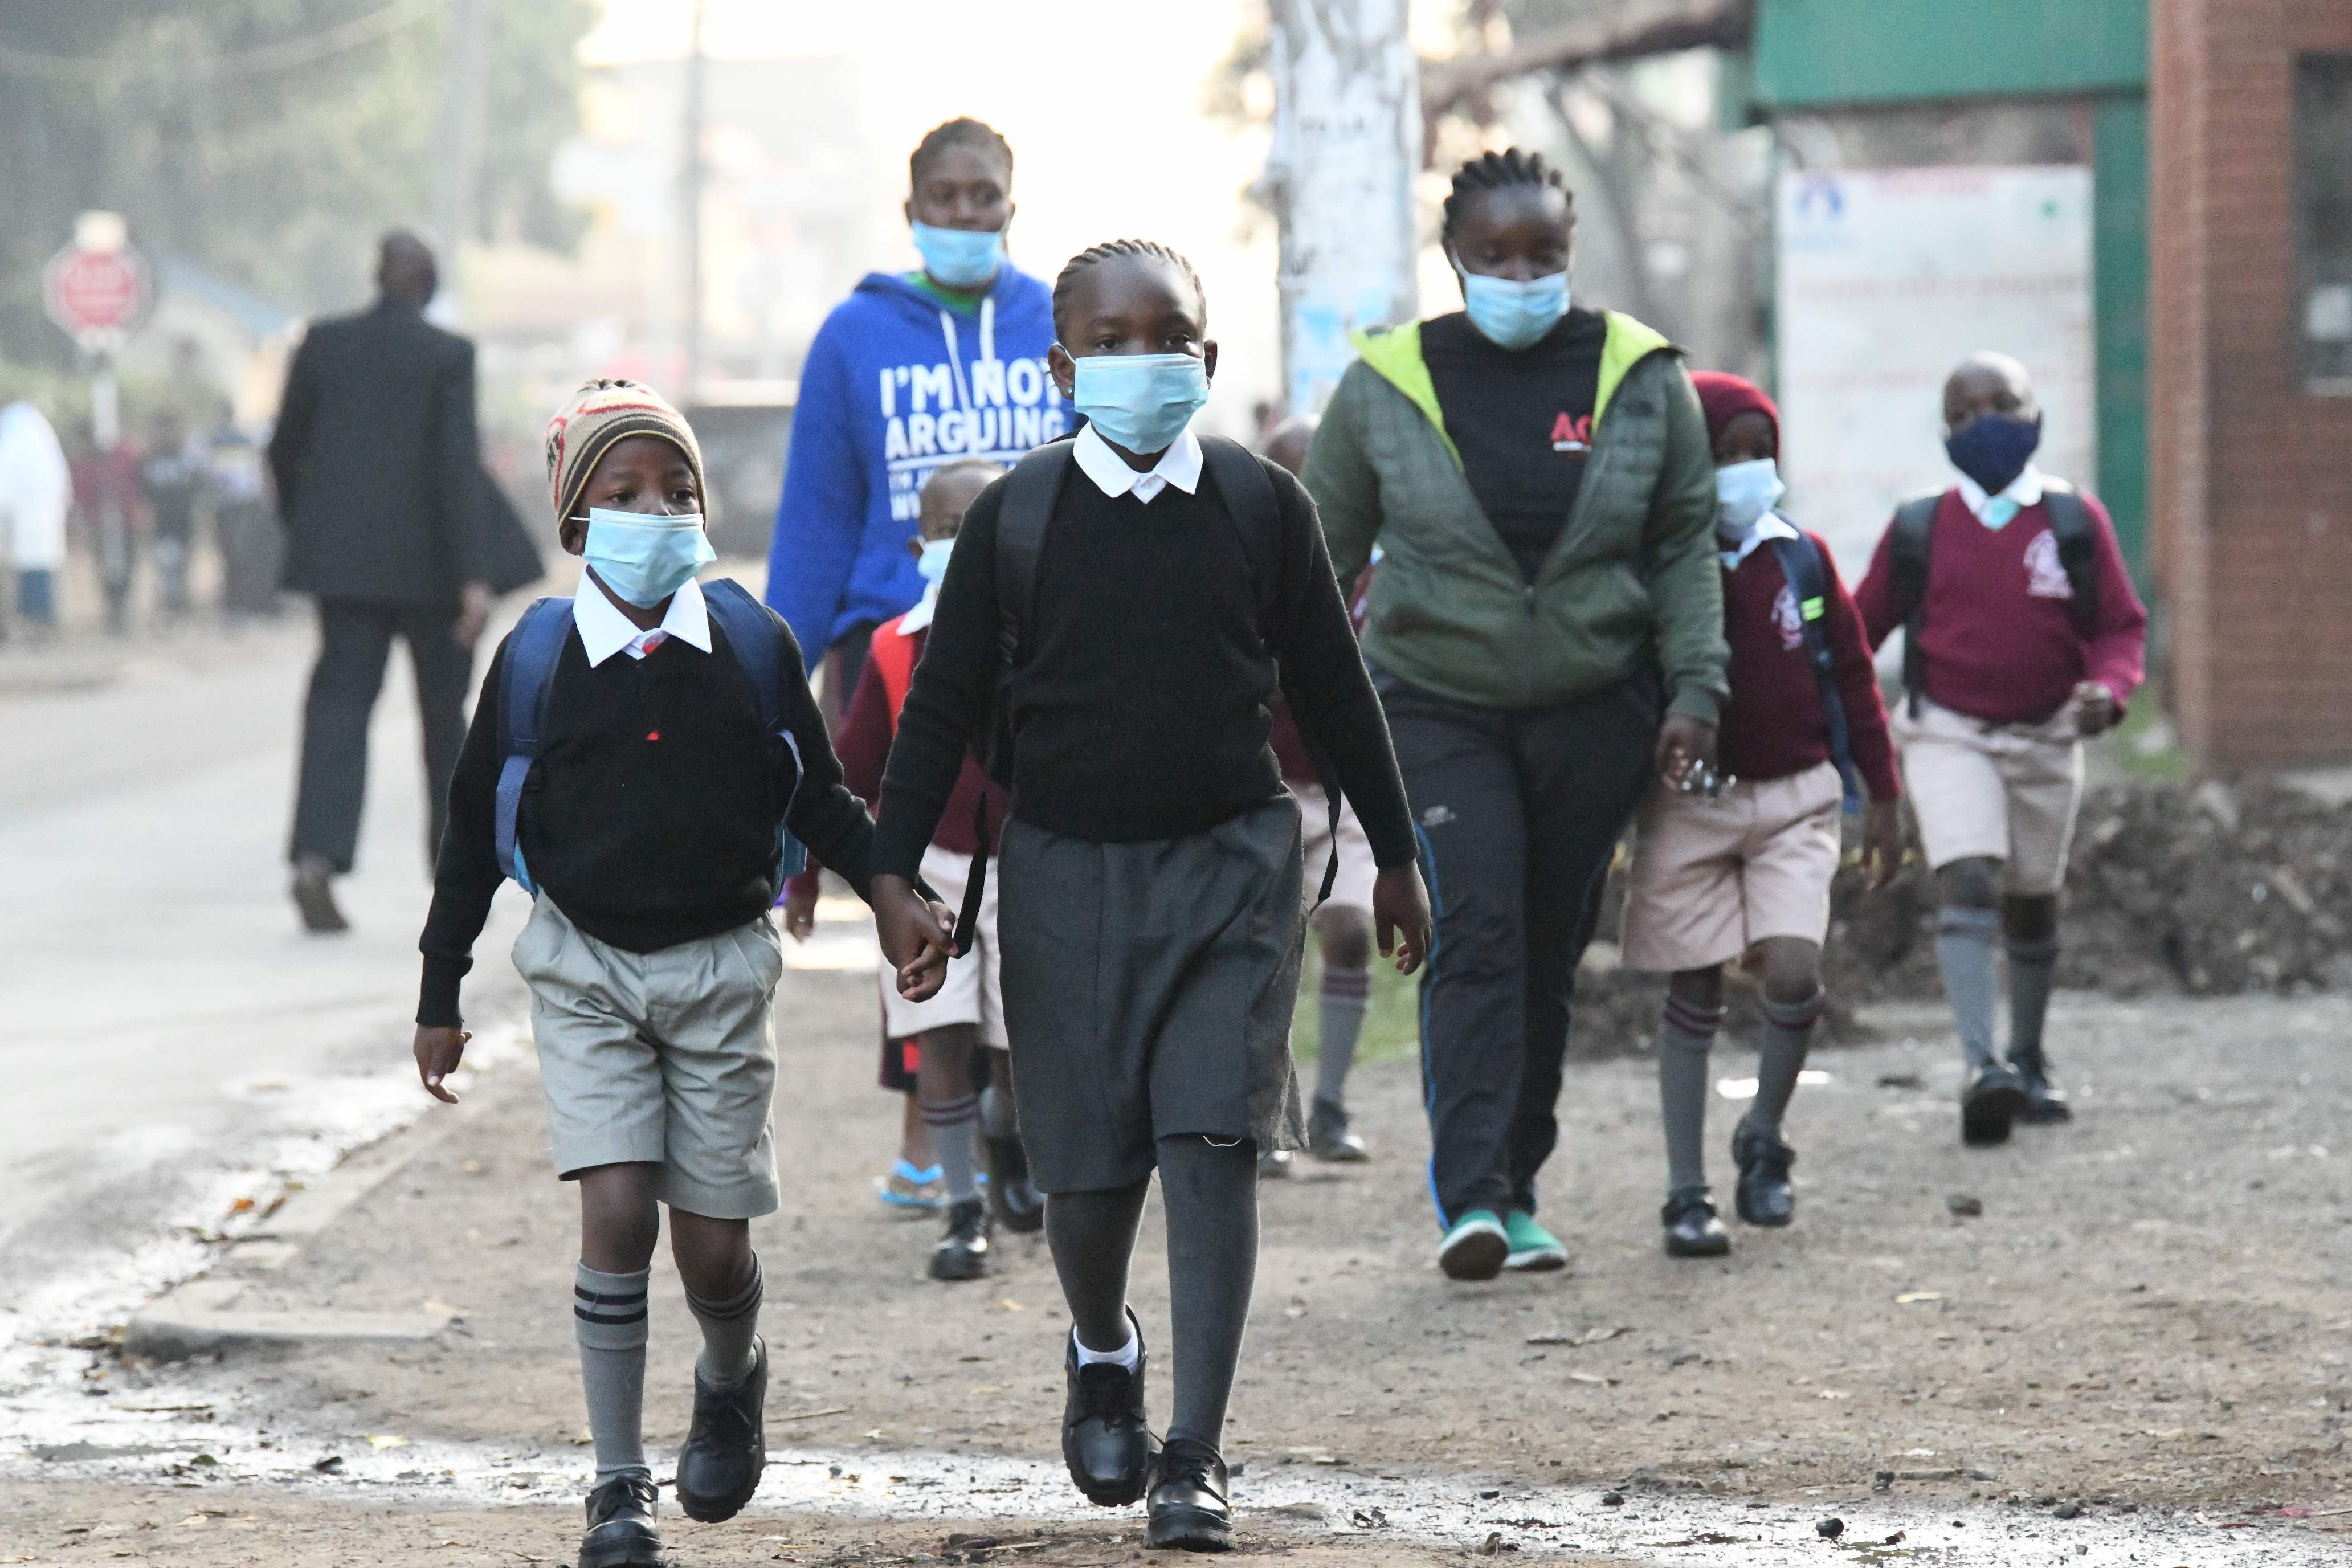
1692 1229
1189 1507
1327 1137
1105 1439
964 1252
726 1446
1995 1097
2044 1105
1764 1196
1273 1164
1013 1201
621 1533
314 898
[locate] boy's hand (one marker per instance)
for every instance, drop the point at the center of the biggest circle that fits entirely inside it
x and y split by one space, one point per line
1401 915
800 911
1882 842
439 1048
2095 709
916 936
1682 741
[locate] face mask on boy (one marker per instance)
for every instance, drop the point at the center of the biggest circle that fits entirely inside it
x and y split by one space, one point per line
1511 314
642 557
960 257
1993 448
1744 492
933 562
1140 402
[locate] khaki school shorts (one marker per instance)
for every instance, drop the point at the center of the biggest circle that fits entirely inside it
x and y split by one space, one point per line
1711 879
660 1057
1353 886
1996 792
975 990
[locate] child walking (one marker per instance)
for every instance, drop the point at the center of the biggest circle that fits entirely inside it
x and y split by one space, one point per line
1153 588
1745 874
2022 636
630 757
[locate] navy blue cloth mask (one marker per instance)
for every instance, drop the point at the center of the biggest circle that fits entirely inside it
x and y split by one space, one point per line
1993 448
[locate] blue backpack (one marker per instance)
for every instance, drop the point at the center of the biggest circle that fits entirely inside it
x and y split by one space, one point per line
1808 575
537 644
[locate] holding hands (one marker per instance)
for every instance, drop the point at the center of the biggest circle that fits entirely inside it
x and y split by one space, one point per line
918 936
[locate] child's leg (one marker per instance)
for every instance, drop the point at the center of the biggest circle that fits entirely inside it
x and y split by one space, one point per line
1792 1004
1210 1194
2029 923
914 1136
618 1226
951 1109
1092 1236
1693 1012
723 1289
1346 933
1970 890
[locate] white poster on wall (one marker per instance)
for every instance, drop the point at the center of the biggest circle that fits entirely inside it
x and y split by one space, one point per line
1889 277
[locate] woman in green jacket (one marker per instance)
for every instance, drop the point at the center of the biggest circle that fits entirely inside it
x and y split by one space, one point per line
1546 631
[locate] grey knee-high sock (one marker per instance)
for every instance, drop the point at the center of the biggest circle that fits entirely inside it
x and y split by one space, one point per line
998 1119
1211 1198
608 1313
1345 994
1788 1034
1092 1237
1684 1041
2031 965
955 1137
1964 940
728 1328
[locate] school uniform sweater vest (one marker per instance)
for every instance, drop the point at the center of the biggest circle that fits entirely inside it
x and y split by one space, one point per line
1774 724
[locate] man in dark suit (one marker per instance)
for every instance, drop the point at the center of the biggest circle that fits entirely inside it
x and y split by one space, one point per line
378 463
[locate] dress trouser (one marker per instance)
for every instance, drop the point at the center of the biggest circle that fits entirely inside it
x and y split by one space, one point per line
355 641
1518 812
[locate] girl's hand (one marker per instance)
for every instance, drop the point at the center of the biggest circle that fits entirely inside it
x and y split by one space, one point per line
438 1048
916 936
1682 741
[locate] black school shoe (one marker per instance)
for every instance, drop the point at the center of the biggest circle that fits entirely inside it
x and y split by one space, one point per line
1692 1229
726 1446
1012 1199
1764 1196
1106 1439
1327 1138
1189 1507
2044 1105
1994 1098
621 1533
964 1252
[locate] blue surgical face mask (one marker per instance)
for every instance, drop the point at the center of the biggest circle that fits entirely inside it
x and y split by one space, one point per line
960 257
1744 492
1140 402
1993 448
642 557
933 562
1512 314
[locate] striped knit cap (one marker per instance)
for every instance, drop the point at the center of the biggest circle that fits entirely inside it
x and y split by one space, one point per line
600 413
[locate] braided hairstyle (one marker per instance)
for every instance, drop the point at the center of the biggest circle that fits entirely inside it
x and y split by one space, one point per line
1495 171
1143 249
962 131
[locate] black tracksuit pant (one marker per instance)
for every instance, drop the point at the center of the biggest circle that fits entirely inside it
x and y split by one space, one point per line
1518 812
355 641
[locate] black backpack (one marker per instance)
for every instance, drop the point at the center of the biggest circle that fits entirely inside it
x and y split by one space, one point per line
1808 575
1914 534
1030 494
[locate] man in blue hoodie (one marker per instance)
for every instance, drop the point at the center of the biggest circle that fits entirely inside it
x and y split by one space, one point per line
911 371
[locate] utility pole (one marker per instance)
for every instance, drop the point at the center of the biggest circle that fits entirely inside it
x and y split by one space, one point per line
690 186
1346 145
465 103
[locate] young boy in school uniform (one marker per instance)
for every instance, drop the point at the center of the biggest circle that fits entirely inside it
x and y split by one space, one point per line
1745 874
2022 639
1132 600
647 827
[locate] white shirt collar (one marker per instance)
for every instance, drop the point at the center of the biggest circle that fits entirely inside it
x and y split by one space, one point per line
1179 466
918 617
605 631
1772 525
2024 491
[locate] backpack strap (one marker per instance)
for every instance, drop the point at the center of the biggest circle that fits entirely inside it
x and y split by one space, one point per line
757 640
532 652
2078 552
1914 532
1808 575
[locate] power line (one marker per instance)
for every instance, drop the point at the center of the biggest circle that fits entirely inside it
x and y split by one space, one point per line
268 58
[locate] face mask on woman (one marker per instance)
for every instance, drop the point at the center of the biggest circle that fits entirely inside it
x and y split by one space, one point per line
645 557
1744 492
960 257
1509 313
1140 402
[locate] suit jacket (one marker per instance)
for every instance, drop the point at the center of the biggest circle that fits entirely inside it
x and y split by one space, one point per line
378 461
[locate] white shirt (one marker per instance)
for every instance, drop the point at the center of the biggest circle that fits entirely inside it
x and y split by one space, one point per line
1772 525
605 631
1994 511
1179 466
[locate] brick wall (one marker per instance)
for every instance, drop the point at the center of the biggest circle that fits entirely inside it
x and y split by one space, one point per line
2252 481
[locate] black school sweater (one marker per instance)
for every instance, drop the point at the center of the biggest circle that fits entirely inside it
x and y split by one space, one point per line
650 817
1140 710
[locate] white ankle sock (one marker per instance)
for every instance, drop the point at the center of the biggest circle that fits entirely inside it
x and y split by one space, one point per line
1127 1355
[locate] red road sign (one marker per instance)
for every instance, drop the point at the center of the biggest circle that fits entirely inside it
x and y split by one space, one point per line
92 293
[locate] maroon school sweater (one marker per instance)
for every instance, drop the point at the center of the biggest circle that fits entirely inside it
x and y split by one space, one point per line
1774 725
2000 640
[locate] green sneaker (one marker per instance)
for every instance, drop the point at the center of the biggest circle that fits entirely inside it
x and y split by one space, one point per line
1474 1247
1534 1249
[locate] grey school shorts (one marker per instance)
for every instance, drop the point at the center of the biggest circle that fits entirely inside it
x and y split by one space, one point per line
661 1058
1147 992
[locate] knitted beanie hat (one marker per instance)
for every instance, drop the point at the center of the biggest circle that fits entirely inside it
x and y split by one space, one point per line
1726 397
600 413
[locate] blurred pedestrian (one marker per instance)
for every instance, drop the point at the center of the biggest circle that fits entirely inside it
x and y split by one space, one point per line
2022 636
237 489
110 500
35 494
1547 634
378 463
172 479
